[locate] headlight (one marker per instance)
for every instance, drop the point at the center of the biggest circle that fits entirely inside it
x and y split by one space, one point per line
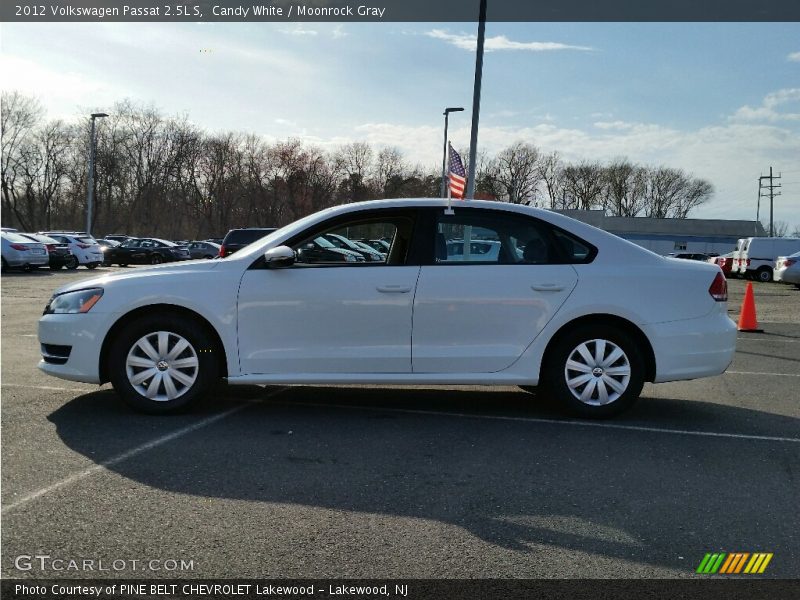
73 302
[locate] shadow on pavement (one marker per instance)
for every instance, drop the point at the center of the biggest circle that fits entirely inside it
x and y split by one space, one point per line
537 478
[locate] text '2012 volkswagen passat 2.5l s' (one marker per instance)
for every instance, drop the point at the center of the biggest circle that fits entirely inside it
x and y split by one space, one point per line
582 314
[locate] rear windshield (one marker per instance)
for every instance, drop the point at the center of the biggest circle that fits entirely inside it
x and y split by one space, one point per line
246 236
13 237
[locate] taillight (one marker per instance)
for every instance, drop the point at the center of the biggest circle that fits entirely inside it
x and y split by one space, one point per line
722 261
719 288
747 262
84 246
50 247
222 251
789 262
20 247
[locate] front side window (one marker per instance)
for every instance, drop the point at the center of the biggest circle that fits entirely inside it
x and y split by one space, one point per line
338 244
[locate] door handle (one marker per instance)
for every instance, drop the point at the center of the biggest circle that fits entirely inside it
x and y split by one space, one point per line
394 289
547 287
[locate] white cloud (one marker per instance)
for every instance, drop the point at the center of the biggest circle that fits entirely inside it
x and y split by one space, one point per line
299 30
614 125
794 57
469 42
770 107
338 32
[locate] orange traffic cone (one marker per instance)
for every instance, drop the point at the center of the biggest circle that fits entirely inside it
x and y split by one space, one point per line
747 318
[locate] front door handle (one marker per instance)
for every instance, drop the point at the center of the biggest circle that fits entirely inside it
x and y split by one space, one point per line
394 289
547 287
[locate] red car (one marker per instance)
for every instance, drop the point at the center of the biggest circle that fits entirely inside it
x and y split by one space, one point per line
724 262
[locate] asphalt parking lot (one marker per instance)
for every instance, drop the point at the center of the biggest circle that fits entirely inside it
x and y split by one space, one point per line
398 482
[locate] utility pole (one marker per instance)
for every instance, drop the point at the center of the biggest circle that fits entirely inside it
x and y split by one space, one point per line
476 103
771 187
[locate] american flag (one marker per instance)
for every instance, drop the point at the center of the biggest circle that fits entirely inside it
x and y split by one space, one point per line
456 174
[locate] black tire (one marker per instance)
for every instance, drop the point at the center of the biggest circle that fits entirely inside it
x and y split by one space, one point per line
55 267
156 259
5 265
554 376
72 263
91 266
202 345
764 275
208 257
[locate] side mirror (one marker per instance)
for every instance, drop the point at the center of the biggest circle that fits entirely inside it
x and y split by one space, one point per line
279 257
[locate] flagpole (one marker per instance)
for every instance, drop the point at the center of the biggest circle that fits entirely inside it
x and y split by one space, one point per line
449 209
476 103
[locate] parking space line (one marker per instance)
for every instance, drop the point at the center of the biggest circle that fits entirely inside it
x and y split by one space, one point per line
131 453
761 373
51 388
770 340
439 413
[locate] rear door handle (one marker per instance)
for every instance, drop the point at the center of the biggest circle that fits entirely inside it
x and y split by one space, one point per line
394 289
547 287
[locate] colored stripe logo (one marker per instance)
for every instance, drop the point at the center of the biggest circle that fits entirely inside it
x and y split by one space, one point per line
734 563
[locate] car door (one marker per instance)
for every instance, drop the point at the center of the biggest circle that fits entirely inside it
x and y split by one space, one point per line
478 306
324 315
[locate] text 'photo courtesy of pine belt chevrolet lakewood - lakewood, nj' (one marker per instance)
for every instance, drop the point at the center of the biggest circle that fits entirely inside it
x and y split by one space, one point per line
486 293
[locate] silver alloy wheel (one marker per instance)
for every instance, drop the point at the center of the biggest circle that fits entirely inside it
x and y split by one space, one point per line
162 366
597 372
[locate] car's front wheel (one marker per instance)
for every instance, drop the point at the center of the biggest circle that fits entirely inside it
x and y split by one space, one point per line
163 363
597 371
764 274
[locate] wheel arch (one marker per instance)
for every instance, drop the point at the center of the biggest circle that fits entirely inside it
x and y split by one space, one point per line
607 319
150 310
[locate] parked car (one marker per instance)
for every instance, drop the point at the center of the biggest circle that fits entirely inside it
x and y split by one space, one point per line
737 258
21 252
724 262
340 241
321 250
584 314
118 237
203 249
236 239
690 256
381 246
83 246
104 246
787 269
758 255
217 241
58 253
146 251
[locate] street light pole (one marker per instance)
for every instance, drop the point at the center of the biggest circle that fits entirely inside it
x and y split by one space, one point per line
90 178
446 113
476 103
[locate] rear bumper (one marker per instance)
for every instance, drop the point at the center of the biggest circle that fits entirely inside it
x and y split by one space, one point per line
693 348
20 260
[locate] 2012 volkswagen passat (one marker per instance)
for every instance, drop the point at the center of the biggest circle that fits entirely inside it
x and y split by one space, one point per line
582 314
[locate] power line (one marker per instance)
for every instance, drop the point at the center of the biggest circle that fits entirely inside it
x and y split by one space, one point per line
771 195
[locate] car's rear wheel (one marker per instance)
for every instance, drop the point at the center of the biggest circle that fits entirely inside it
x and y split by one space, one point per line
764 274
163 363
72 263
597 371
156 259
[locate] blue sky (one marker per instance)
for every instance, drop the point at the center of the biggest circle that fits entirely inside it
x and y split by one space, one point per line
720 100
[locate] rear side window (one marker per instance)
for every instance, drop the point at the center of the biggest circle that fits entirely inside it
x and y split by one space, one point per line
86 240
16 239
495 237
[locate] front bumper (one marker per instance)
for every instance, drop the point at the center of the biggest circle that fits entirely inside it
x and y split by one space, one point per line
693 348
84 333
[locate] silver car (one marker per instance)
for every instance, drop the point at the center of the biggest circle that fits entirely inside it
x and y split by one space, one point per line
787 269
22 252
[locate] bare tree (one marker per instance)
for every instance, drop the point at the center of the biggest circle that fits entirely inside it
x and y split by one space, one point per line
584 185
625 185
517 172
19 115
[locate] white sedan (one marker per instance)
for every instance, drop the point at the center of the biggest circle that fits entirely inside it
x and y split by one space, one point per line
586 316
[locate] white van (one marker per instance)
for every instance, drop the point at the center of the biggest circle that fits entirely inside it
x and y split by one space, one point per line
758 255
737 255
